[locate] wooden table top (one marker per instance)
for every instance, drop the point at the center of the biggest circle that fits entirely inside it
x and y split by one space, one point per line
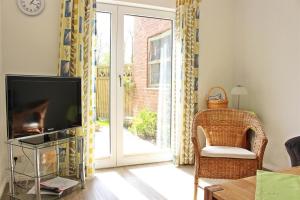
241 189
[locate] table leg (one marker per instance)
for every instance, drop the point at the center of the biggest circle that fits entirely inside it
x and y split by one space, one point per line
37 174
57 159
209 191
11 165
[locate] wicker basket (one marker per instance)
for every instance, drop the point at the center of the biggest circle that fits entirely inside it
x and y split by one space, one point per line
215 104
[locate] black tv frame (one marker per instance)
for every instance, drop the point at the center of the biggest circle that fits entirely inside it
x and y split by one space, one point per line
37 76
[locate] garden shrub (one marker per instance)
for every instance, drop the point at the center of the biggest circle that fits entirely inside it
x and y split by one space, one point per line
144 124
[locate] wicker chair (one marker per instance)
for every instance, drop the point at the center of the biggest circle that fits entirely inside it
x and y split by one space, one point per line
227 128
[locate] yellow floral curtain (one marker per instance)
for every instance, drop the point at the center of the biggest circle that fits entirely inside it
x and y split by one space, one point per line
187 64
77 27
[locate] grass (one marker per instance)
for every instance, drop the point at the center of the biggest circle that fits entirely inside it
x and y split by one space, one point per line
102 123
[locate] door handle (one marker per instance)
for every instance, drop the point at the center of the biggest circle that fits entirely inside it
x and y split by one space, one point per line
120 79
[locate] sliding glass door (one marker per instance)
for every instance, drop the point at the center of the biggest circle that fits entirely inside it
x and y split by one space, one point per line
134 85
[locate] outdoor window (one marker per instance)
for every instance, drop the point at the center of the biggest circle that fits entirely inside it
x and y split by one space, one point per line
159 49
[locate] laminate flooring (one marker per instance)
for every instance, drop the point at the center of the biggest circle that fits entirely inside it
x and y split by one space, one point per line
158 181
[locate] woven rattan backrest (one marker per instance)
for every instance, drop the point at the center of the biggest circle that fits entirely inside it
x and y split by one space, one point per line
224 127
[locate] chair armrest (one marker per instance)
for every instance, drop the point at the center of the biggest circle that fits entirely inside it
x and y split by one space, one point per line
259 143
194 136
195 140
198 145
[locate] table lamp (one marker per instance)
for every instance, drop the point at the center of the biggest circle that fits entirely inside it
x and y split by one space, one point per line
238 91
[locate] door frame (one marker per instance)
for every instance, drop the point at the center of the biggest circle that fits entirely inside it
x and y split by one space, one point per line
117 157
145 157
111 160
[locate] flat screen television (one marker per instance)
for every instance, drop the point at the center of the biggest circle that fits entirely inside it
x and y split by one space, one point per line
37 105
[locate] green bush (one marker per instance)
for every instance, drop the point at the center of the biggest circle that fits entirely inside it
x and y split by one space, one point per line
128 83
144 124
101 123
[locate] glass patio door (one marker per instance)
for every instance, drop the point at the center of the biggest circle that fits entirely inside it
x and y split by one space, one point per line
134 85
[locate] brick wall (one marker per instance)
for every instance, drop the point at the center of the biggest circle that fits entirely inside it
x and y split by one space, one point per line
143 29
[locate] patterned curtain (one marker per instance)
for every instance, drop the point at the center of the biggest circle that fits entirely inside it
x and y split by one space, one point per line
77 28
186 86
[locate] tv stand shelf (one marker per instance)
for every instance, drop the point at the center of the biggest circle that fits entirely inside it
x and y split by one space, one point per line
35 146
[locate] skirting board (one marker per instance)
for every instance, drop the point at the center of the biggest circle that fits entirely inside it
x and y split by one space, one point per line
271 167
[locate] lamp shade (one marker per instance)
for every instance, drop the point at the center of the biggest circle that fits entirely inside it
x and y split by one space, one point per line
239 90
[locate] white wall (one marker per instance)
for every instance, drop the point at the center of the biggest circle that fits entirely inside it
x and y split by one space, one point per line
268 63
216 47
3 154
30 44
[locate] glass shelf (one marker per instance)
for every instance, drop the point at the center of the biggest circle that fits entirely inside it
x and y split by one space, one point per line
42 141
21 192
32 197
31 175
40 159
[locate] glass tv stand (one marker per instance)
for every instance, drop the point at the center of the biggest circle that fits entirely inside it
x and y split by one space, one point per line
36 148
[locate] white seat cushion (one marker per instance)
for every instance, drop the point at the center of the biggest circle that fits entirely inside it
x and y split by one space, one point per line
227 152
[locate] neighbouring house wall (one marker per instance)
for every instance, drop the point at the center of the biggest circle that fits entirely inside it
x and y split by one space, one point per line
268 64
143 95
216 47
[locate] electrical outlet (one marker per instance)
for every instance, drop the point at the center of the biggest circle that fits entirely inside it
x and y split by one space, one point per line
19 159
15 159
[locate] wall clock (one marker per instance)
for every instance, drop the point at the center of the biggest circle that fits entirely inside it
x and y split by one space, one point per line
31 7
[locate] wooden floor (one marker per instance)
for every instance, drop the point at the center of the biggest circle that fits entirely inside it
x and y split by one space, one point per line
158 181
153 181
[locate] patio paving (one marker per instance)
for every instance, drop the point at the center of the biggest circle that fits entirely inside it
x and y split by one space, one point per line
132 143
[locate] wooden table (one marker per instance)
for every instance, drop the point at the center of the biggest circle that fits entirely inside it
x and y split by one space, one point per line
241 189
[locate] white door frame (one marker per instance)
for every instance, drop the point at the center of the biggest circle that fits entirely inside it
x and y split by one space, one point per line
134 158
117 157
111 160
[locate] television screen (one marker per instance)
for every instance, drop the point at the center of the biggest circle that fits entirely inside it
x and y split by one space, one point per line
37 105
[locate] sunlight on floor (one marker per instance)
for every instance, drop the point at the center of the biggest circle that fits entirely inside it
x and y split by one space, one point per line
121 189
154 181
168 180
